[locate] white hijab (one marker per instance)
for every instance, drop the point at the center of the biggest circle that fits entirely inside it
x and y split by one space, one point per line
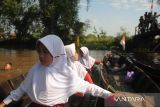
70 51
86 60
53 84
76 65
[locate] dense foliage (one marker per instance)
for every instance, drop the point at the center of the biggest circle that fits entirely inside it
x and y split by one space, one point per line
104 42
35 18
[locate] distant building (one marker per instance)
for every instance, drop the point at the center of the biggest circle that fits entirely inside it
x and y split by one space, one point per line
8 35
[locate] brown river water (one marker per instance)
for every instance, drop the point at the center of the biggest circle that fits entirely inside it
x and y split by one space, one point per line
22 60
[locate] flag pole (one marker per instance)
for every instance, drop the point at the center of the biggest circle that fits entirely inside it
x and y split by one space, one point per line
152 6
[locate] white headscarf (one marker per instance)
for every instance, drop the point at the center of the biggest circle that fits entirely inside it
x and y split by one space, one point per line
53 84
86 60
76 65
70 51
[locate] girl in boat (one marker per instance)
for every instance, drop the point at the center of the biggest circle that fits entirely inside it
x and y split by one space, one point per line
50 82
72 59
86 60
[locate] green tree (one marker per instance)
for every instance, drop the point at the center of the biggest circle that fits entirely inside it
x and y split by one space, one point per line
4 23
102 33
56 16
59 16
95 32
20 14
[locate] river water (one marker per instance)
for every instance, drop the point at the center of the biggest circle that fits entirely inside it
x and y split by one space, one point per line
20 59
24 59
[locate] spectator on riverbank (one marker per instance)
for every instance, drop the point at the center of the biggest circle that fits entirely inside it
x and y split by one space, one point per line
86 60
50 82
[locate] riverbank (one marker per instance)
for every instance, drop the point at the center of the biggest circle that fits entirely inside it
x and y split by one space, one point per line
18 44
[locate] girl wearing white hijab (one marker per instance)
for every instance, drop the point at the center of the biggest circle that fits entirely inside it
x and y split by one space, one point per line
86 60
51 81
72 61
76 100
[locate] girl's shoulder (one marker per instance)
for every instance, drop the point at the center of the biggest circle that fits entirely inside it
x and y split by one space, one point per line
77 63
80 66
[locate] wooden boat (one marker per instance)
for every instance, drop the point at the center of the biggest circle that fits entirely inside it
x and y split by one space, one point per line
88 100
102 77
127 64
153 72
11 80
115 79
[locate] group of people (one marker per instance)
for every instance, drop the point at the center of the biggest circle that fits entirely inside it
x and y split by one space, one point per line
148 22
57 75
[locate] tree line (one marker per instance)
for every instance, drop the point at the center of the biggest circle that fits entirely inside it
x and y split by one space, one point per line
35 18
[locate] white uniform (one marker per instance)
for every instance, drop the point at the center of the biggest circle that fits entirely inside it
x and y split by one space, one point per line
79 68
53 84
86 60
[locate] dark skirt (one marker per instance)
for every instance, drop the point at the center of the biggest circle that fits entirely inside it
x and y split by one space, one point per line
39 105
76 101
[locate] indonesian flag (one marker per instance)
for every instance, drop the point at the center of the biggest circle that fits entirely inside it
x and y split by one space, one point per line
122 42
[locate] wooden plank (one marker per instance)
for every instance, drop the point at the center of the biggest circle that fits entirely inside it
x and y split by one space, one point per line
4 76
5 89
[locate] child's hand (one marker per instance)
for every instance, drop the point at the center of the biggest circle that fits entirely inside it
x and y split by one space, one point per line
80 94
110 99
2 104
113 98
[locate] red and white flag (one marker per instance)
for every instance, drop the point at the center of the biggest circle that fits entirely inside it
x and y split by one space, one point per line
123 42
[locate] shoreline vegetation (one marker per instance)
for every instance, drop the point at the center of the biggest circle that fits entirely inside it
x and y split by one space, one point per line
18 44
91 41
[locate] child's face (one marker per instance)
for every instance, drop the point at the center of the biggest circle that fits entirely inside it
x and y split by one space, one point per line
44 55
76 56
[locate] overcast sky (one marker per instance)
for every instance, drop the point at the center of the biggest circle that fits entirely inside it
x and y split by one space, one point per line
110 15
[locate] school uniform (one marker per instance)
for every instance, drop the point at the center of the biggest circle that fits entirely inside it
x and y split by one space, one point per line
51 86
86 60
76 65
